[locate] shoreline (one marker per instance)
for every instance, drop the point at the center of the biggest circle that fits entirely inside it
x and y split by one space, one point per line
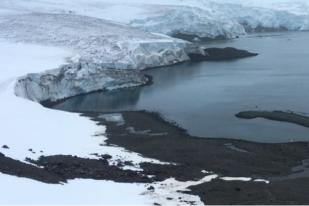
153 137
192 158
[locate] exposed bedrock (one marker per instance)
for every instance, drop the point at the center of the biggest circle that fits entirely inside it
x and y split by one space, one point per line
219 54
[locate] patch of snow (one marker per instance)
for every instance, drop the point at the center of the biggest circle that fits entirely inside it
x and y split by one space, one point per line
261 180
205 172
245 179
24 191
168 192
116 118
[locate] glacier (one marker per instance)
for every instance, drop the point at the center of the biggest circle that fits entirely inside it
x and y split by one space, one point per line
204 18
135 41
128 35
106 55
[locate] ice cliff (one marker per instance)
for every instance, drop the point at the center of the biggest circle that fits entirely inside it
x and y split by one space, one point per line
107 55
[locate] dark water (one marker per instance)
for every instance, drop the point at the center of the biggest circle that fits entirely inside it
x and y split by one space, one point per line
204 97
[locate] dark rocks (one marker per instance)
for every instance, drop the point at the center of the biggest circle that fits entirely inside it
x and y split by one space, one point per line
150 188
196 38
71 167
20 169
221 54
128 163
106 156
60 168
32 151
277 116
5 147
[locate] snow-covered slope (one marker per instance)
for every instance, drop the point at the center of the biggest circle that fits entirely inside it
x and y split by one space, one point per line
26 124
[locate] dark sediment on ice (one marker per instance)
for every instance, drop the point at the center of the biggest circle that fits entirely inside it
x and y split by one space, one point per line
221 54
290 117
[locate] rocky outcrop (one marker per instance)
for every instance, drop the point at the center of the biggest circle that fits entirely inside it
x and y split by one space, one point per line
219 54
282 116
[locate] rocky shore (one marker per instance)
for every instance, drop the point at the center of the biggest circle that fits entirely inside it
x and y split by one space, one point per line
282 116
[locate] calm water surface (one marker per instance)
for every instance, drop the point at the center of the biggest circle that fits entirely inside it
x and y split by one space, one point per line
204 97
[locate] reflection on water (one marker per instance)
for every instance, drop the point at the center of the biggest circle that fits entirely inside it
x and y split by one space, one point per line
117 100
204 97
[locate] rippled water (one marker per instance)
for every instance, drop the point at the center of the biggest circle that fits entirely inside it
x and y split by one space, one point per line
204 97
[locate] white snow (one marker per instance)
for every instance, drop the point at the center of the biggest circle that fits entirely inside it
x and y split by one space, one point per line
27 125
262 180
23 191
245 179
168 192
